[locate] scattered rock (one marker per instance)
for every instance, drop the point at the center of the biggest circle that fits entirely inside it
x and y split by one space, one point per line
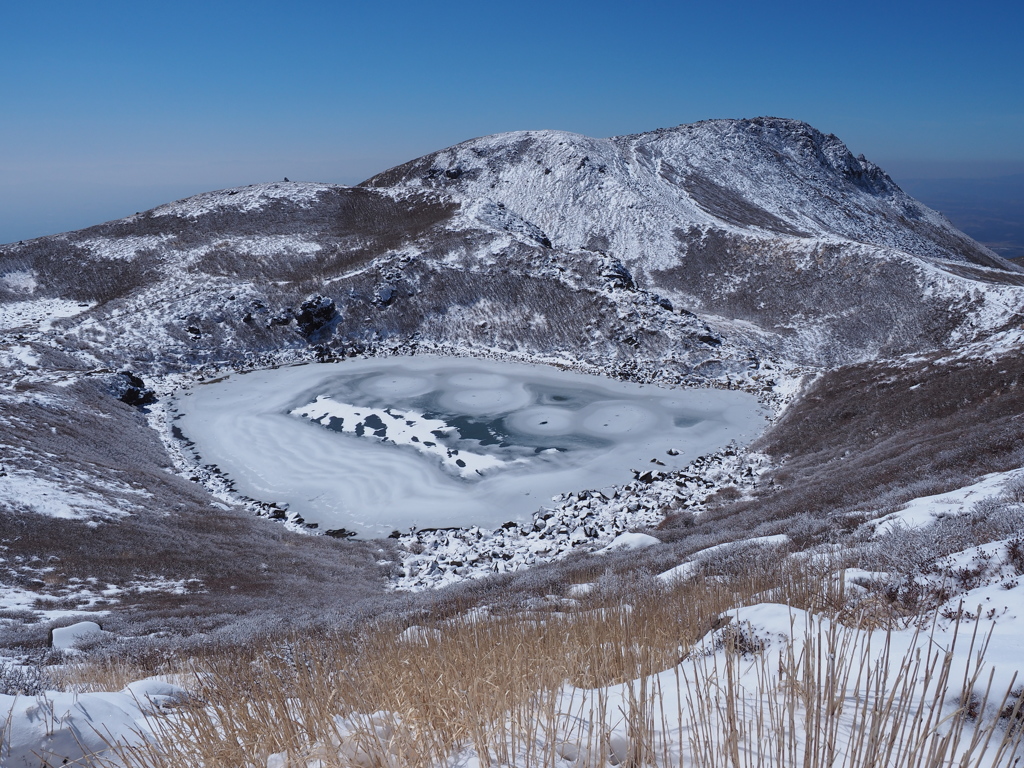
385 295
618 276
648 476
133 390
315 315
343 533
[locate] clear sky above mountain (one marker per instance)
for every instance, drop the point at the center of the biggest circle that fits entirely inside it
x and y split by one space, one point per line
112 107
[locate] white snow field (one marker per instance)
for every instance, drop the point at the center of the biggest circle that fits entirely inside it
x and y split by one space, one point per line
38 314
54 728
925 509
380 445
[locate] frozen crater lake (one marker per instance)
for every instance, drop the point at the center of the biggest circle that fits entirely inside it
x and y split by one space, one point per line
388 444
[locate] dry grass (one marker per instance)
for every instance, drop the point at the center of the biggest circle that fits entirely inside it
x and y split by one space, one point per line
531 688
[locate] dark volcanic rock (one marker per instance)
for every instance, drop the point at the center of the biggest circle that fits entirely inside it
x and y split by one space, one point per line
385 294
315 315
132 390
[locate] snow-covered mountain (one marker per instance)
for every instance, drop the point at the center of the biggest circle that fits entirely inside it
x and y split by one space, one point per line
762 221
707 243
768 175
735 253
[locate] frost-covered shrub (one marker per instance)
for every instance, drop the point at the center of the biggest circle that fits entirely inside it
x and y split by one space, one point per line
1015 553
805 530
1014 490
889 552
743 560
27 680
626 585
908 550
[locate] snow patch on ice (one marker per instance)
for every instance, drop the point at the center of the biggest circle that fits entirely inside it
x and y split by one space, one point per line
400 428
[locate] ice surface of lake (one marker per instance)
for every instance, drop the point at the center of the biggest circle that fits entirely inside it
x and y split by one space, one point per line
387 444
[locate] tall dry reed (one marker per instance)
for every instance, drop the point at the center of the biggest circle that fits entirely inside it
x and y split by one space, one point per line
618 679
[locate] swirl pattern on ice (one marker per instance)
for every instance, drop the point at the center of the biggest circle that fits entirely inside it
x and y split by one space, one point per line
387 444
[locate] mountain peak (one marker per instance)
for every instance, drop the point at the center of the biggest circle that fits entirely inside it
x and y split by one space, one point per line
768 229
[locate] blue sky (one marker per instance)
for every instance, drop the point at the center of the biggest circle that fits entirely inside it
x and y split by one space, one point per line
111 107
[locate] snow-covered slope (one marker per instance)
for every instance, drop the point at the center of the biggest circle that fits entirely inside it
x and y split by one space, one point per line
730 253
754 254
766 175
765 221
707 244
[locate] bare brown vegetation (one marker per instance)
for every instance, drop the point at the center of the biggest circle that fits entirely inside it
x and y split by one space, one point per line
244 568
494 682
865 439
